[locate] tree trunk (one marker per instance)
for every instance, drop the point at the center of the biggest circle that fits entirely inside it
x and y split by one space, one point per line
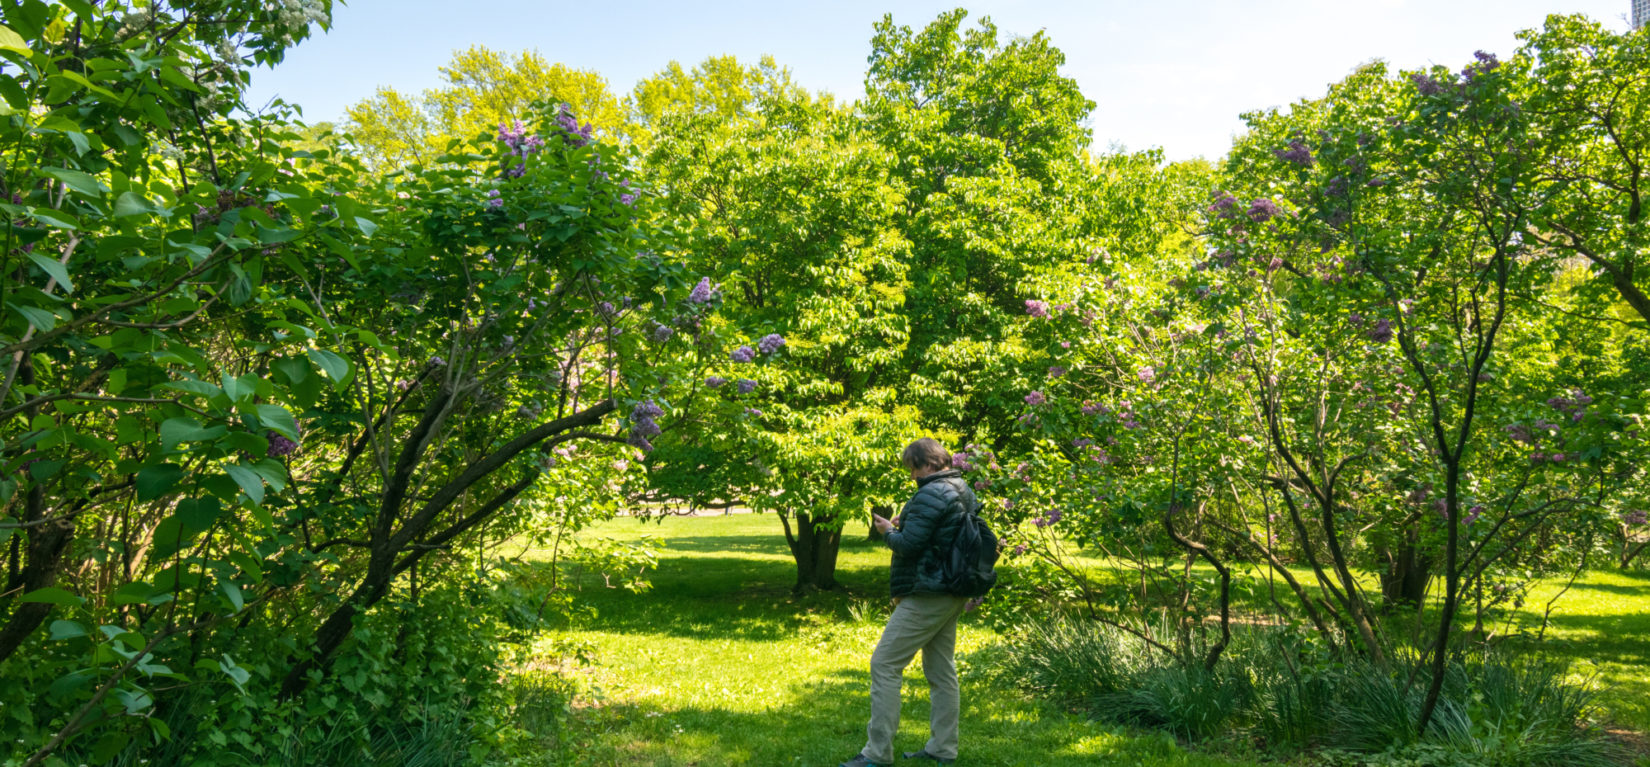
874 535
814 550
1404 582
44 554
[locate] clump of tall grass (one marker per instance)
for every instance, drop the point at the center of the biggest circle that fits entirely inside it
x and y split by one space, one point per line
1291 693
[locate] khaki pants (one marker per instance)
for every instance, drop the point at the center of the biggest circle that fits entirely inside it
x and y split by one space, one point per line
929 624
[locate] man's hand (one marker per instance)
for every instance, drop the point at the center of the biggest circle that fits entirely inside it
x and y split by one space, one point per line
882 525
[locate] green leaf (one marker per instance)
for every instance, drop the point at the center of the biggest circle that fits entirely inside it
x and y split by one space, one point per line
295 370
249 481
67 630
54 269
197 515
55 218
12 41
80 182
154 481
131 203
135 700
192 386
233 591
236 674
112 743
41 319
368 228
333 365
51 595
81 145
277 418
134 593
177 430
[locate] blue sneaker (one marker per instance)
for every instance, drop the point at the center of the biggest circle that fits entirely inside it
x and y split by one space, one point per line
860 760
923 754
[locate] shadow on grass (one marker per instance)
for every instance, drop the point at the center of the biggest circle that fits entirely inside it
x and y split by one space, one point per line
823 720
710 544
1634 590
727 597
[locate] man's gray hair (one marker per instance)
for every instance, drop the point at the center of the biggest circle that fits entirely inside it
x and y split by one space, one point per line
925 453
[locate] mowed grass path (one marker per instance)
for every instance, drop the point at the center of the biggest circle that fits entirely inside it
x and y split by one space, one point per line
720 665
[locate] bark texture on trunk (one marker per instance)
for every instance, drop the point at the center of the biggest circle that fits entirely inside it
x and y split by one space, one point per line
814 544
1404 582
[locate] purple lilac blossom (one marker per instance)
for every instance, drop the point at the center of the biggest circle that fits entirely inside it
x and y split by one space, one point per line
715 382
1035 398
1635 518
1224 206
1148 374
1038 309
572 132
770 343
746 386
1426 84
1382 331
743 354
1296 152
702 292
1055 371
1263 209
662 333
280 446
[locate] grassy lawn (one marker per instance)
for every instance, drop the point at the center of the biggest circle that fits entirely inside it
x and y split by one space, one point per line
719 665
1603 625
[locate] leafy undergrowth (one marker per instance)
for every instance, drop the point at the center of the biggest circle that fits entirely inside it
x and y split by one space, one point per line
720 665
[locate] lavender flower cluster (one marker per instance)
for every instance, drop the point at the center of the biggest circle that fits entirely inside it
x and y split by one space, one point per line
1264 209
1052 517
571 131
703 292
1296 152
1574 406
520 144
642 424
280 446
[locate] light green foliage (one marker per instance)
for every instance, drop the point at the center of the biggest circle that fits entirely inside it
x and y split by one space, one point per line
818 438
719 86
481 88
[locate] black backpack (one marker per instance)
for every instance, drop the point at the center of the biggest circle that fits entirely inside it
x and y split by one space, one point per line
969 568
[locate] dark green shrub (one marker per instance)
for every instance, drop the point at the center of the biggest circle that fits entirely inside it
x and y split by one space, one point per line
1073 661
1495 712
1183 699
1293 692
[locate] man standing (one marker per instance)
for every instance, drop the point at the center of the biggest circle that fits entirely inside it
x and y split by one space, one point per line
925 614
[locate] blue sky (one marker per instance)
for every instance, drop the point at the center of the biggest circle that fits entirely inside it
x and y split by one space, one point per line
1168 73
